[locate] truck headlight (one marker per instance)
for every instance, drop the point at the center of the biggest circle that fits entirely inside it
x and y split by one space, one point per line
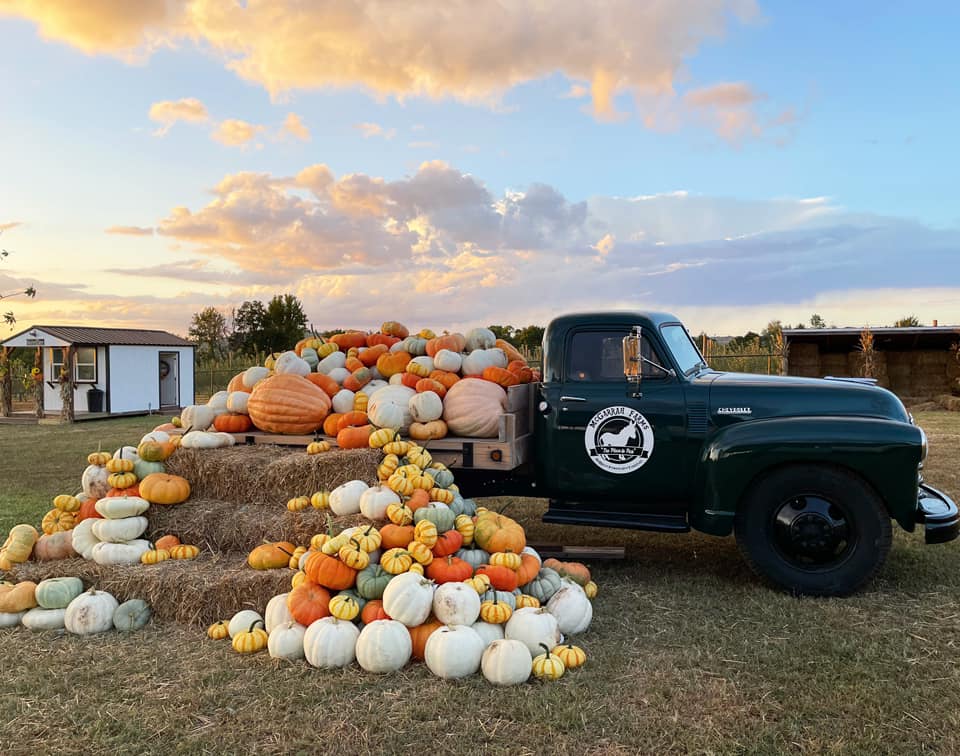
923 446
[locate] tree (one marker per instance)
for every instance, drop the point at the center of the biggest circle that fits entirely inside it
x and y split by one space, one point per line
502 332
284 322
816 321
911 321
31 292
208 329
247 337
528 338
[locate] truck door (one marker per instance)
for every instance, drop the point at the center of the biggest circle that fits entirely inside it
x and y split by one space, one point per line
609 444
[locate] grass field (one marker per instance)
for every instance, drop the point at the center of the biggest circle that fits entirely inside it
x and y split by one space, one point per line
688 653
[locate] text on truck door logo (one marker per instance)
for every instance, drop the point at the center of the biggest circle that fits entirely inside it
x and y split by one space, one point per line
619 440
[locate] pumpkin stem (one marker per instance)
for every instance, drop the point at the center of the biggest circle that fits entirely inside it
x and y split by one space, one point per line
254 624
545 649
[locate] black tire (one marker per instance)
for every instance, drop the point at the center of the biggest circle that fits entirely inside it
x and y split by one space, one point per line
813 530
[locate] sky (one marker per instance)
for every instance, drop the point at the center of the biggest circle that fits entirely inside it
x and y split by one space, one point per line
453 164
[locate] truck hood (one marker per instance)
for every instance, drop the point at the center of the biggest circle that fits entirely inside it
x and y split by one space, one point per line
741 396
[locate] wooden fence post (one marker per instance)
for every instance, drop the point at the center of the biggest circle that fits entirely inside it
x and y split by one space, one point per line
67 385
6 382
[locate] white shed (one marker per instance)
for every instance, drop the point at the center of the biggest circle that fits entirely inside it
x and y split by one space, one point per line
123 370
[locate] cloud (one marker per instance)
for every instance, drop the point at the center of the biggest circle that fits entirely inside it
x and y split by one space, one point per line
168 112
200 271
295 127
473 51
369 129
423 145
9 225
129 230
234 132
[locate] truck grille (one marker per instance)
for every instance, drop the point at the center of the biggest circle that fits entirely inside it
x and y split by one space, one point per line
697 418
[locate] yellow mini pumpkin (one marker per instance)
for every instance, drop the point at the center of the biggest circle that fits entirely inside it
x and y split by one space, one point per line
548 666
420 552
479 583
524 600
344 607
416 567
252 640
154 556
120 466
122 480
360 402
298 579
320 500
571 656
426 533
99 458
465 527
353 556
184 551
495 612
295 558
298 503
382 437
218 630
396 561
508 559
66 503
399 514
442 495
318 447
56 521
590 589
398 448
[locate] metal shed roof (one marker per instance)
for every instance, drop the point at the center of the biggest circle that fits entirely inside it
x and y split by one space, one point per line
104 336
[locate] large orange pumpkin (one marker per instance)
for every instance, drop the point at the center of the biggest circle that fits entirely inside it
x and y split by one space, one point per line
231 423
500 376
329 572
529 569
496 532
370 356
455 342
501 578
287 403
355 438
163 488
345 341
393 362
396 536
444 378
384 339
308 602
421 633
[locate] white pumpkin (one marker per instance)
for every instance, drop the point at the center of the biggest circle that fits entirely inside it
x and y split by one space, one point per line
44 619
454 651
237 402
532 552
199 417
533 627
384 646
119 553
218 402
131 615
506 662
332 362
345 498
119 507
94 481
480 338
330 643
424 363
90 612
343 401
472 408
339 375
426 406
83 539
207 440
375 500
242 620
277 613
127 452
488 632
389 408
120 531
571 607
373 386
251 377
456 604
396 379
161 437
289 362
480 359
286 641
448 361
408 598
10 619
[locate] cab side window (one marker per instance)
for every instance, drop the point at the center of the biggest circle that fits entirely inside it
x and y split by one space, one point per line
598 356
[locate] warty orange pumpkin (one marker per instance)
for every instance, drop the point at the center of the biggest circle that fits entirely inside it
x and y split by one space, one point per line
287 403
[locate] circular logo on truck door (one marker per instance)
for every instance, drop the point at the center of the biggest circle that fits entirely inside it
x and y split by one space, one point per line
619 440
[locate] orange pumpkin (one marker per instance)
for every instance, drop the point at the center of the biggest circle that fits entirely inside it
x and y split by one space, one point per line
287 403
444 378
88 509
529 568
358 379
330 424
419 498
393 362
500 376
428 384
350 339
166 542
410 380
510 351
421 633
576 571
381 339
447 543
455 342
231 423
236 384
501 578
521 370
130 491
395 536
352 419
330 387
355 438
308 602
370 356
329 572
496 532
393 328
353 364
162 488
373 611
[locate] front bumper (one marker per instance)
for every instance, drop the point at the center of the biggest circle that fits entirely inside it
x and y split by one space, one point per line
939 515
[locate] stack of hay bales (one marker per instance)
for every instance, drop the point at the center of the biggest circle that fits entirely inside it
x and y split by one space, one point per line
804 360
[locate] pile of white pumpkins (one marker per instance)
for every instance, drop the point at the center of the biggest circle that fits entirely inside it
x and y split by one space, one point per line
60 603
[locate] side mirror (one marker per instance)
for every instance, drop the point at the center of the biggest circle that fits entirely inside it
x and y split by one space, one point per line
632 367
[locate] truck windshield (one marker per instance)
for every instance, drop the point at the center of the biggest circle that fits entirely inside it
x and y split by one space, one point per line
684 351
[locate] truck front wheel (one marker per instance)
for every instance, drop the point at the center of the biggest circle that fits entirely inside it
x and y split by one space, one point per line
813 530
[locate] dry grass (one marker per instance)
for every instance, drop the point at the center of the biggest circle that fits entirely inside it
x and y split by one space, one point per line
689 653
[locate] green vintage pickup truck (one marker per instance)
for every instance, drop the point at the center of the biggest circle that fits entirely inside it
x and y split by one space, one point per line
631 428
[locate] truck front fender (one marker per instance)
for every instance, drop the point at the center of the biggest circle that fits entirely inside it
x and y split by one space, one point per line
885 453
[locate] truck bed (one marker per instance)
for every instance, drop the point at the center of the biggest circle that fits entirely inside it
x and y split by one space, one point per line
510 449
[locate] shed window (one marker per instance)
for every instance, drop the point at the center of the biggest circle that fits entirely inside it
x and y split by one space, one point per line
85 364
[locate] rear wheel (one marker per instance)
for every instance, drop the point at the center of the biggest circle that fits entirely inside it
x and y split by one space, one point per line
814 530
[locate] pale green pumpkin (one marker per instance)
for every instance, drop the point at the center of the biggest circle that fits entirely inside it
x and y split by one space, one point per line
57 593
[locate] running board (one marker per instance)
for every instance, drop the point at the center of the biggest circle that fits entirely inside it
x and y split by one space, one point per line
607 519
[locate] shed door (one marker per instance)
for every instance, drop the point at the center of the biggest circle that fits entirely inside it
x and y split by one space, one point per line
169 379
